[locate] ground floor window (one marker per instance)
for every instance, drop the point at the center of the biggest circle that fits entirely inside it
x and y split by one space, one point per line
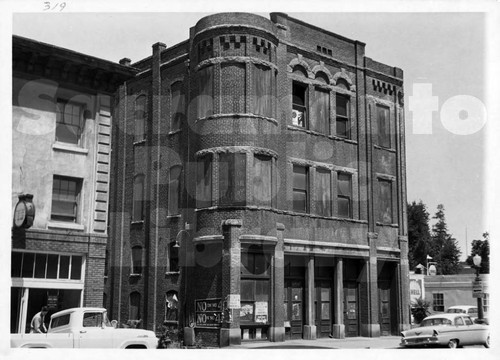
438 302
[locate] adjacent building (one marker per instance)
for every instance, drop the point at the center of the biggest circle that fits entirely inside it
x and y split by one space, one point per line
62 113
259 186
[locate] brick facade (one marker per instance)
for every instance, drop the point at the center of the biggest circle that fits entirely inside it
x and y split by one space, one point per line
224 115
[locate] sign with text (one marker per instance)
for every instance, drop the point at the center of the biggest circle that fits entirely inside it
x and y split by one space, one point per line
209 312
477 289
233 301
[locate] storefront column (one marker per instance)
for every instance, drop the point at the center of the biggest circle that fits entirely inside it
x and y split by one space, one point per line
372 327
277 329
309 327
231 260
338 328
403 285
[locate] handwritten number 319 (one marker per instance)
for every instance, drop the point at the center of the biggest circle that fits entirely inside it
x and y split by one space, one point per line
48 6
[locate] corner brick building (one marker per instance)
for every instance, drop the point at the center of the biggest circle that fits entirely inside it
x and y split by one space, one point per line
62 105
259 186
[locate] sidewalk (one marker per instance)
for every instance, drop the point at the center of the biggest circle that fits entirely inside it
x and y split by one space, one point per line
385 342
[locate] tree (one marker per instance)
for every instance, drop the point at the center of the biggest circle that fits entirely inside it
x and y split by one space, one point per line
418 234
420 310
482 248
443 248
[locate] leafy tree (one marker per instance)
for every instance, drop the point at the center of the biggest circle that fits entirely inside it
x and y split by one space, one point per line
443 248
481 247
418 233
420 310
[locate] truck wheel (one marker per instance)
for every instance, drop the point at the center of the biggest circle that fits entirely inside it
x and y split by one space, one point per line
487 343
453 343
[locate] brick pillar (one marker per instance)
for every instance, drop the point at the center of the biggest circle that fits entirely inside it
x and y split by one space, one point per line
403 287
338 330
277 329
230 333
372 327
309 327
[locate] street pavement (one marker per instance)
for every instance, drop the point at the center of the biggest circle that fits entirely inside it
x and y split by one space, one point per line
385 342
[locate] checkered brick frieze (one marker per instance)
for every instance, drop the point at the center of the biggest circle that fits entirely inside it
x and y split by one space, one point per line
381 86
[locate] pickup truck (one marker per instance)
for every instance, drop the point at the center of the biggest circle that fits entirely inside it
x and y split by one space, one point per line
85 328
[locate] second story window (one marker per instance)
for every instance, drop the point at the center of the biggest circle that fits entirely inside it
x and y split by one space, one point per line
65 198
343 126
344 194
140 118
385 199
177 107
204 182
206 92
300 189
323 192
137 260
262 180
299 104
262 91
384 129
174 190
232 179
138 199
69 126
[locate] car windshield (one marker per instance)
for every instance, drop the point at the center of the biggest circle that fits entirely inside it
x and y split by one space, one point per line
455 311
96 319
435 321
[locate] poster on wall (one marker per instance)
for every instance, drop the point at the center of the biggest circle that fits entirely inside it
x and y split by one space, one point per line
246 312
261 311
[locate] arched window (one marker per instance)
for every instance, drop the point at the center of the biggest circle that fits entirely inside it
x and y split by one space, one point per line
138 200
174 189
177 111
322 77
140 118
134 312
137 260
171 306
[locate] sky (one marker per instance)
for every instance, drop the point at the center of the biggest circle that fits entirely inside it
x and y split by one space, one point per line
442 52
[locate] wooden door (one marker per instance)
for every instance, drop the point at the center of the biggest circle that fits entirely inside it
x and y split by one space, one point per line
294 308
323 307
351 309
385 308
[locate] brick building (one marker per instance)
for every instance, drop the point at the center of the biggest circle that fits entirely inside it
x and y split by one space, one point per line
61 129
260 188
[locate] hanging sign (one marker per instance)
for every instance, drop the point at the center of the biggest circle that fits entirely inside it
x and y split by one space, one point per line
24 212
209 312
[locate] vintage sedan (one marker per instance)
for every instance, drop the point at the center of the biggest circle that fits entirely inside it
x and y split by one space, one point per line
452 330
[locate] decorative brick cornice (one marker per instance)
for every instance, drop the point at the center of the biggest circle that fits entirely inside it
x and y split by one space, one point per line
235 59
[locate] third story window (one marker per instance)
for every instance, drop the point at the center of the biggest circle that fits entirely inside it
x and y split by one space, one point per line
174 190
323 192
262 180
206 92
385 214
299 104
140 118
342 118
65 198
232 179
177 108
384 133
320 120
138 199
344 191
204 182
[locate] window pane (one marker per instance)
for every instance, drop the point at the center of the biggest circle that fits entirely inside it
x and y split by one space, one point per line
205 97
232 179
344 191
323 192
69 122
262 181
16 262
262 90
52 265
135 304
342 102
173 190
177 109
140 118
299 177
342 110
138 205
299 201
248 263
64 267
325 311
342 128
137 260
204 183
233 88
76 267
247 290
320 121
64 198
40 263
383 127
299 105
28 264
385 214
261 264
344 207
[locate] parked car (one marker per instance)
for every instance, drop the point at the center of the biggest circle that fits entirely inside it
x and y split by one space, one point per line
463 309
452 330
85 328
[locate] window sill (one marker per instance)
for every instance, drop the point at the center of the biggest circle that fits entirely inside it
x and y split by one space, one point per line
140 142
135 275
65 226
173 132
170 273
384 148
387 225
137 222
177 216
58 146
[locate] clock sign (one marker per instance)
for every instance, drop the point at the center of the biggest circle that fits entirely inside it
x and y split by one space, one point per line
24 212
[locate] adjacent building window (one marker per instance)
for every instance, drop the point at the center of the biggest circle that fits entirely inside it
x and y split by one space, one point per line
232 178
137 260
299 104
204 182
46 266
323 192
69 125
173 258
65 198
171 306
262 91
138 200
206 92
140 118
385 198
300 189
343 126
438 302
174 189
384 130
177 106
262 180
134 312
320 121
344 195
